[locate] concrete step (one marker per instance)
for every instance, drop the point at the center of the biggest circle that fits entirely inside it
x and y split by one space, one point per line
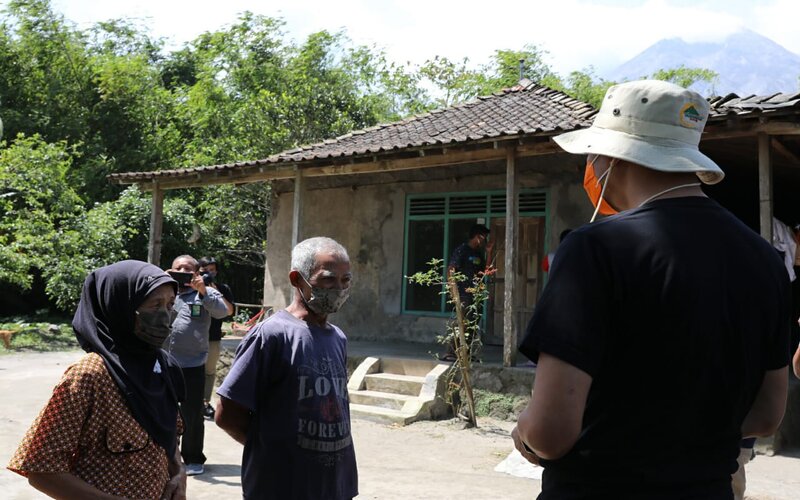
382 415
410 385
402 366
381 399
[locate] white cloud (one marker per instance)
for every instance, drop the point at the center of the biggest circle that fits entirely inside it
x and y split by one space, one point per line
776 20
577 33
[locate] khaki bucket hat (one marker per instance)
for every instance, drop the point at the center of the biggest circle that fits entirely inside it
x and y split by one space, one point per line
651 123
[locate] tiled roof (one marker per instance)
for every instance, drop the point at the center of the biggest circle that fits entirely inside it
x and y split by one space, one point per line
529 110
524 110
725 106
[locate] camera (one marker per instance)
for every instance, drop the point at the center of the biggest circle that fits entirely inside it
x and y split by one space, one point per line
181 278
208 278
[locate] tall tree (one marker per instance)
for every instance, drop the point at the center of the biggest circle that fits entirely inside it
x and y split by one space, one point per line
458 81
35 202
45 75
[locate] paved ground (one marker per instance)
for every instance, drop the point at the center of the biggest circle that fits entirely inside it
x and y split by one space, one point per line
426 460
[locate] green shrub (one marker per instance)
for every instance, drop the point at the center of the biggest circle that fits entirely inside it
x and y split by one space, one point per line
496 405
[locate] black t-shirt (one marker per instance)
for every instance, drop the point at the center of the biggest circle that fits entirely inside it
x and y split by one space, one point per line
675 310
469 262
215 330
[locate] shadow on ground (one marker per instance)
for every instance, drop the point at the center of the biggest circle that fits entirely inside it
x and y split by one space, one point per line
228 474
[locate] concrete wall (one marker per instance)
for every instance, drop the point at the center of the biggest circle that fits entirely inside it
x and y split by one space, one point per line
369 222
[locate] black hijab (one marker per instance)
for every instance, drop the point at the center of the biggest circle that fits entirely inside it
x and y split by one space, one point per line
104 325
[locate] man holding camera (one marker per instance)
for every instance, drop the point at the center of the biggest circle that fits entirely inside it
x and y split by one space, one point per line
208 270
195 306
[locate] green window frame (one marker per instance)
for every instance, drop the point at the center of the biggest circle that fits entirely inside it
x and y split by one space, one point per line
450 213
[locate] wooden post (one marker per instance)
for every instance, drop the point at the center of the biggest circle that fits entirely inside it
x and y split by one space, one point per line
156 224
509 298
267 276
297 206
765 186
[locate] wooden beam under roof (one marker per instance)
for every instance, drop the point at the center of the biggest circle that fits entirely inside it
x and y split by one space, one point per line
287 170
787 153
732 130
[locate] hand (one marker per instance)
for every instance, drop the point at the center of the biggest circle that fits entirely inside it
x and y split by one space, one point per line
522 449
198 284
176 487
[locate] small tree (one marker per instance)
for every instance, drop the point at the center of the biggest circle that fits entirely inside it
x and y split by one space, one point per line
463 332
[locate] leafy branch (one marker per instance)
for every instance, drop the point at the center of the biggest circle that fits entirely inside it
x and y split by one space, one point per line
463 333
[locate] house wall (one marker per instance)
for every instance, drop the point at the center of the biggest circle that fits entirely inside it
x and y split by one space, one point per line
369 222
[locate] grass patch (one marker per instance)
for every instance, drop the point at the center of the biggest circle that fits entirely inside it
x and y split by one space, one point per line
496 405
41 333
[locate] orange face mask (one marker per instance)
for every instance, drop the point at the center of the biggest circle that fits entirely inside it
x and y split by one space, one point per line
595 190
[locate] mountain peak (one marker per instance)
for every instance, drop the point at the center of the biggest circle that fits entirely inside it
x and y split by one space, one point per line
746 61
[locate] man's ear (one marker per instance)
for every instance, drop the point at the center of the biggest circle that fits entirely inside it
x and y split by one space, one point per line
294 278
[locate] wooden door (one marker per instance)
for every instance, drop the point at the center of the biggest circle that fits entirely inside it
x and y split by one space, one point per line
529 276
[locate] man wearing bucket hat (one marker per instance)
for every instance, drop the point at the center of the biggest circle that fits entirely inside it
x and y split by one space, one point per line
662 335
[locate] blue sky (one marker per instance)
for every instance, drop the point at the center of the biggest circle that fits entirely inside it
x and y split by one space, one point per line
576 33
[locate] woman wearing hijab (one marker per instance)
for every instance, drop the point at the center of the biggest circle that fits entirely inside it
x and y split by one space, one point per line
110 428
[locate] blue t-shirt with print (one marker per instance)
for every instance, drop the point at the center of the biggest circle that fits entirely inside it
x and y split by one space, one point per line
293 377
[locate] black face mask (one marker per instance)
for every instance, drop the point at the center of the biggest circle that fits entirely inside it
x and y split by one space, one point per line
154 327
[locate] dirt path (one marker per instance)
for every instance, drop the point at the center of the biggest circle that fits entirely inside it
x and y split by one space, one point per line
426 460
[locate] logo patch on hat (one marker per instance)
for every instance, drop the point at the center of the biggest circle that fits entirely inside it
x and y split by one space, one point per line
689 116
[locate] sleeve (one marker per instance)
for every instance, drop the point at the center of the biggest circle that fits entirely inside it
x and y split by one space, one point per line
572 318
244 383
53 439
226 292
214 304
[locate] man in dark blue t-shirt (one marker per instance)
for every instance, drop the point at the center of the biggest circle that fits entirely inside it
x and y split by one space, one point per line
286 397
662 337
467 259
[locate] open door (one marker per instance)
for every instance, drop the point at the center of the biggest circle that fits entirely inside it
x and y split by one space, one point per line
529 275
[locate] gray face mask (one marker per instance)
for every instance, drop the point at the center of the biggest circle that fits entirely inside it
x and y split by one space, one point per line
153 327
325 301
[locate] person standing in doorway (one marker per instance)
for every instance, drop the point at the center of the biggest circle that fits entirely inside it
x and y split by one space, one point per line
468 259
285 398
194 307
208 270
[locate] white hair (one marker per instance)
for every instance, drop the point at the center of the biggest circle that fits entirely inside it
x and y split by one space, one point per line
304 254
